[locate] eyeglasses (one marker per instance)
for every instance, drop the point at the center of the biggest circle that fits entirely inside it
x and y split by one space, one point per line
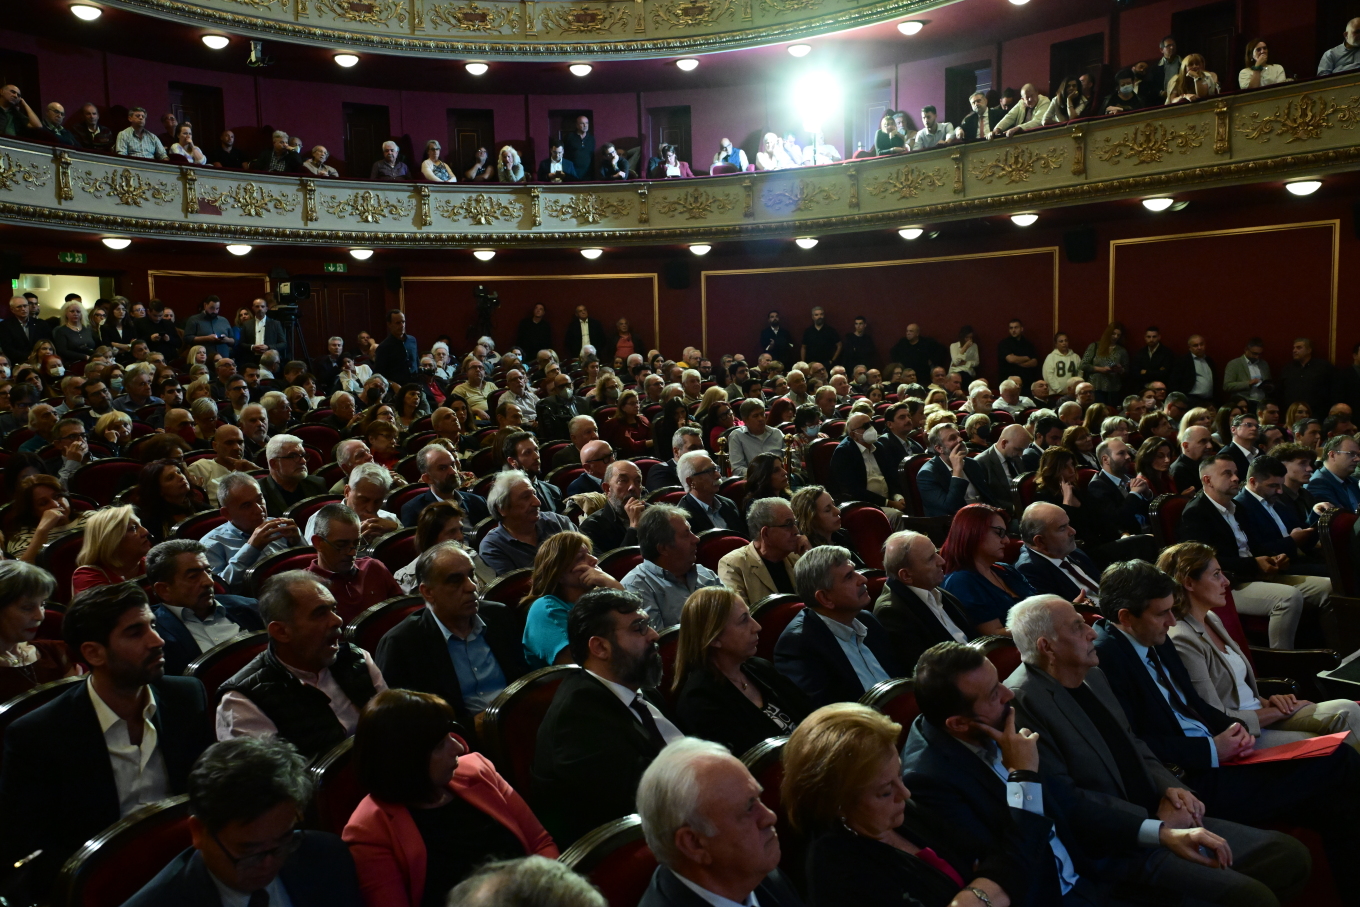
344 546
704 472
295 455
607 458
998 531
290 843
791 524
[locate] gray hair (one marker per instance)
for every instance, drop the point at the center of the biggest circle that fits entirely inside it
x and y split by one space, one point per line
688 465
526 882
240 779
227 485
160 560
936 436
690 373
423 456
274 449
813 573
1030 620
345 451
280 134
501 488
20 579
272 400
279 598
1038 414
203 408
655 529
897 551
1009 385
39 409
1113 422
1034 521
425 563
576 422
684 431
370 472
333 513
668 795
762 514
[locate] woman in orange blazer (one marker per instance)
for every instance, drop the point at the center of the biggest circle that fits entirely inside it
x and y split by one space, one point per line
435 811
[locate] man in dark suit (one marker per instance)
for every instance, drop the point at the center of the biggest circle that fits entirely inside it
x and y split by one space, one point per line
951 479
914 611
190 616
20 332
615 524
977 125
663 475
1002 465
454 634
834 649
1196 444
1048 432
580 150
898 444
555 168
1334 482
1114 507
261 333
1051 560
1242 447
1164 711
726 848
850 466
279 158
288 482
520 450
1194 373
1272 526
601 731
1133 815
398 356
440 472
1152 363
595 457
244 793
583 330
707 509
72 768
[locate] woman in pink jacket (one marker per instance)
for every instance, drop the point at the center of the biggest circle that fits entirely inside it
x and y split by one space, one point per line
434 811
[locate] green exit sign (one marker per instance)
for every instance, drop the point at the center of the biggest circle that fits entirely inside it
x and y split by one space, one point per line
336 267
71 258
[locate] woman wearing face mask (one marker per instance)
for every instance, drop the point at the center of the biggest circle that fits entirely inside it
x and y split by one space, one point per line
52 373
73 338
629 431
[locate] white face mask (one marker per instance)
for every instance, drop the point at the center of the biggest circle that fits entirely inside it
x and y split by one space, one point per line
870 435
4 371
57 371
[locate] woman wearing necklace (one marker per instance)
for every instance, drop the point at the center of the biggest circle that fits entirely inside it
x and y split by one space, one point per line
432 168
26 662
726 694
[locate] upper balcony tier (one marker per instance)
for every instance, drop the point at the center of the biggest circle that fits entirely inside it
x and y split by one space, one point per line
1292 131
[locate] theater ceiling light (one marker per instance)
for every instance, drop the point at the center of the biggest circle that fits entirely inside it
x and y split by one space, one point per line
216 42
361 254
1158 204
688 64
580 69
800 50
86 12
910 28
910 232
483 254
346 60
1019 2
1024 220
116 242
592 254
239 248
476 69
700 248
1303 187
806 242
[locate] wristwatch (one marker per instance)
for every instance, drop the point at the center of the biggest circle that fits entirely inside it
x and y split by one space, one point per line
1023 775
981 896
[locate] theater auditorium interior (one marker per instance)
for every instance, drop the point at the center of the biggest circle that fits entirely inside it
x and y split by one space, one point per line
817 452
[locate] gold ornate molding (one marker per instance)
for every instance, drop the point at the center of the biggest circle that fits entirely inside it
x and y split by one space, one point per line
251 200
1017 165
1301 120
470 17
128 187
15 173
1148 143
586 208
803 195
695 204
907 182
481 210
367 206
583 20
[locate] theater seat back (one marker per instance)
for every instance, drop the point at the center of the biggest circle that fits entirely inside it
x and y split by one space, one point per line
1164 516
509 588
616 860
774 613
896 698
908 470
338 790
714 544
1000 651
510 723
114 865
668 645
869 529
1336 530
220 663
370 626
16 708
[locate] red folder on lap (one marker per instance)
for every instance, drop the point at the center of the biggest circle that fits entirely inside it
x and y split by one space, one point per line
1303 749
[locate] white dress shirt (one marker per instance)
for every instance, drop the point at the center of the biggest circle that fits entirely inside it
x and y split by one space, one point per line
1279 523
876 483
1204 378
716 900
932 599
217 629
669 732
237 716
278 895
259 329
1243 546
138 769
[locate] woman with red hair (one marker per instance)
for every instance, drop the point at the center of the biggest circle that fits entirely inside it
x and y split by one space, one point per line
974 571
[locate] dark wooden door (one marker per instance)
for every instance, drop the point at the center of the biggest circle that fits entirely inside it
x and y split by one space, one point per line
468 131
670 126
1211 32
367 126
18 68
1073 58
960 83
340 306
561 122
200 105
871 102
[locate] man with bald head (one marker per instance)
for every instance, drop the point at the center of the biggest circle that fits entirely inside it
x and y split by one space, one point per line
54 116
913 608
1345 57
1193 374
861 470
16 117
228 447
595 457
1002 464
1051 560
615 525
1028 114
1195 446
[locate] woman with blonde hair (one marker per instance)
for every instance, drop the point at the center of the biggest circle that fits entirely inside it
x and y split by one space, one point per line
114 550
708 399
509 168
113 430
204 412
41 350
74 339
1192 83
564 570
1222 674
197 355
724 693
843 791
1105 363
1199 415
1094 417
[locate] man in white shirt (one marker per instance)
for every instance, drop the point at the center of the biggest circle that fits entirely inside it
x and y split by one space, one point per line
229 446
933 133
518 392
753 438
191 617
364 494
1010 399
914 610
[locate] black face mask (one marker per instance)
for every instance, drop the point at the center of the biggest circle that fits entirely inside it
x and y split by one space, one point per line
373 395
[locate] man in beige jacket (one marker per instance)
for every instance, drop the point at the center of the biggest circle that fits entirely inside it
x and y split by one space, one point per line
765 566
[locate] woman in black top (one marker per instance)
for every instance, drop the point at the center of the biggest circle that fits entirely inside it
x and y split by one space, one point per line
674 413
117 330
819 519
766 477
74 338
165 498
888 140
725 693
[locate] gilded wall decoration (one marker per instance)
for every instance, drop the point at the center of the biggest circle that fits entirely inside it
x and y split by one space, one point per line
644 211
587 208
1300 120
65 191
790 6
852 173
309 214
583 20
263 5
250 199
696 204
368 206
536 205
692 13
1017 165
13 173
481 210
365 12
802 196
1078 151
473 18
128 187
1149 143
907 182
749 198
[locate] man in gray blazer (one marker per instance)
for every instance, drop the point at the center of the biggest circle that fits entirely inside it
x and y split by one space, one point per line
1249 373
1125 803
1002 464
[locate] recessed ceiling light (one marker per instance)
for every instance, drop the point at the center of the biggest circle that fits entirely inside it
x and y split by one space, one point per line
361 254
580 69
116 242
688 64
800 50
239 249
1019 2
700 248
476 69
1024 220
911 232
346 60
1304 187
910 28
592 254
1158 204
216 42
86 12
806 242
483 254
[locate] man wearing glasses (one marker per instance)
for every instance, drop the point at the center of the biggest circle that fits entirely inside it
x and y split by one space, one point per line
1335 483
68 440
288 481
246 798
707 509
357 583
595 457
766 566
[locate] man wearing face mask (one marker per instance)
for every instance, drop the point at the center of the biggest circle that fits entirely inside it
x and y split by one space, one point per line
1125 97
860 468
557 410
